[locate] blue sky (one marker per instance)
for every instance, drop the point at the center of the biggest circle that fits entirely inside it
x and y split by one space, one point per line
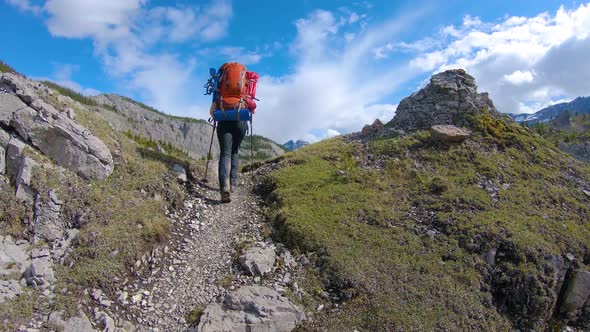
327 67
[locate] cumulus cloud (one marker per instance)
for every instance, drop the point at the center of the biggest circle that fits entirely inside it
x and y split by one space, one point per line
526 63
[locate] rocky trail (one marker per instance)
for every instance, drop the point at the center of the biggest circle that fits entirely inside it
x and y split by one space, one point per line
199 266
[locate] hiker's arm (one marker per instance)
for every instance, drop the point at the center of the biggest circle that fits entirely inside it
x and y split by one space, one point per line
212 108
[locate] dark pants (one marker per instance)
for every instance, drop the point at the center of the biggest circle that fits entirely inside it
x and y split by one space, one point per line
230 135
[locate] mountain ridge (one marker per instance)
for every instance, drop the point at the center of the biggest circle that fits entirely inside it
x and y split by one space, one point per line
580 105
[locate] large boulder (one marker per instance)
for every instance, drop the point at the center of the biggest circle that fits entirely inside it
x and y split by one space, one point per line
450 98
70 144
448 133
251 308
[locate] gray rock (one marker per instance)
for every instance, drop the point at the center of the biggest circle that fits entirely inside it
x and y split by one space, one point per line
180 173
2 160
9 103
9 289
251 308
448 133
449 99
70 144
13 257
20 86
40 273
14 152
23 120
4 138
47 223
576 294
24 192
259 259
79 323
106 322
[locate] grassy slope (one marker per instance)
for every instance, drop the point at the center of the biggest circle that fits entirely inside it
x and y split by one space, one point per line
369 226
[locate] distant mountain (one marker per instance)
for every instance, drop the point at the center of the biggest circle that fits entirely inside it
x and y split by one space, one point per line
579 105
292 145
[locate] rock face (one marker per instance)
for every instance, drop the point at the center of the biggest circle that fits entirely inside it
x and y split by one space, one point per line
191 136
448 99
259 259
67 142
54 133
448 133
251 308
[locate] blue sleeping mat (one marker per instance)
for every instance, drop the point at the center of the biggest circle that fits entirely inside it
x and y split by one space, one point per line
232 115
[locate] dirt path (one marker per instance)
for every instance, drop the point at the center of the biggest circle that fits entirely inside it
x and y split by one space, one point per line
199 260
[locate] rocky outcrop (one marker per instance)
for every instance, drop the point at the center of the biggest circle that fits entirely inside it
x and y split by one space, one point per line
251 308
374 128
448 133
54 133
449 99
9 103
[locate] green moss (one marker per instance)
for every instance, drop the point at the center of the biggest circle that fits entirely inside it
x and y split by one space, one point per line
13 214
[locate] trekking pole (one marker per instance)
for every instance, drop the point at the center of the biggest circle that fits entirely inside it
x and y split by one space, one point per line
209 154
251 149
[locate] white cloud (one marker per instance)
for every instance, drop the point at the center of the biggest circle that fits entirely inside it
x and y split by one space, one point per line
26 6
524 62
519 77
240 54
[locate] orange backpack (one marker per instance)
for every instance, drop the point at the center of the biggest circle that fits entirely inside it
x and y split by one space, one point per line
232 85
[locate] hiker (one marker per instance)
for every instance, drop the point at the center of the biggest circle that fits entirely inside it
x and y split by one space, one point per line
232 107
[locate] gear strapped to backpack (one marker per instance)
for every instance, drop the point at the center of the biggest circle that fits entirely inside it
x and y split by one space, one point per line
234 91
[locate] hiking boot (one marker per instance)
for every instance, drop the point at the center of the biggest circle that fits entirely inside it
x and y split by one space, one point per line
225 197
